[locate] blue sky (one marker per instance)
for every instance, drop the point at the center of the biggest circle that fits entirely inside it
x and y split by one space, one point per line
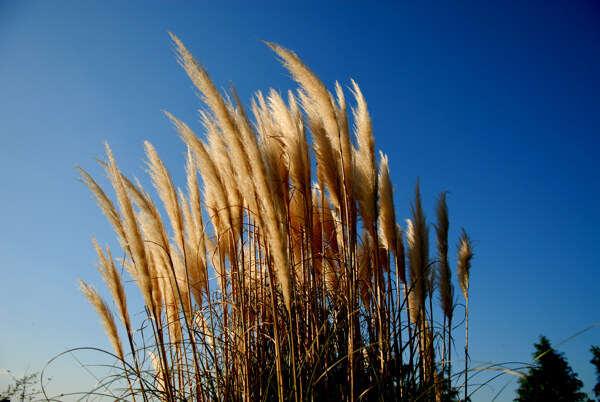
497 103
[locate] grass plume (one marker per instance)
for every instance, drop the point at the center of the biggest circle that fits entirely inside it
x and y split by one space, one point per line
280 273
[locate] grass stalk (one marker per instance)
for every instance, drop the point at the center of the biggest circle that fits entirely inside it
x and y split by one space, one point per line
261 287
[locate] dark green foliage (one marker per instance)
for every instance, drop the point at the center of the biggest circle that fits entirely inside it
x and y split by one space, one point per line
550 378
22 389
596 362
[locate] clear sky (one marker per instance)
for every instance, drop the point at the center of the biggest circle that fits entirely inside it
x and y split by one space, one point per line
497 103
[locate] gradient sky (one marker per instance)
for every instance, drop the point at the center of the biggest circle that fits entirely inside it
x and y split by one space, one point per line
497 103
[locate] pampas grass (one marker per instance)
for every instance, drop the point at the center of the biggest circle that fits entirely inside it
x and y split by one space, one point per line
465 254
280 273
106 316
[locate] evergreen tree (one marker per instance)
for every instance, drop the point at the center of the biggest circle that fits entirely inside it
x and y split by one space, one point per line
596 362
550 378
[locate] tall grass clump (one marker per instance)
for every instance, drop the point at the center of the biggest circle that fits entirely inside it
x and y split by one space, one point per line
279 271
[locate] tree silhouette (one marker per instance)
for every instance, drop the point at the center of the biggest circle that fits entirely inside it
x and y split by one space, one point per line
596 362
550 378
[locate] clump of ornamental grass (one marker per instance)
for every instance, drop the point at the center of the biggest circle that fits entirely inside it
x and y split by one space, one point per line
278 272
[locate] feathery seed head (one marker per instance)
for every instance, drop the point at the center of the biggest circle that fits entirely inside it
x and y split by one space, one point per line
444 277
106 317
113 280
465 254
387 212
417 238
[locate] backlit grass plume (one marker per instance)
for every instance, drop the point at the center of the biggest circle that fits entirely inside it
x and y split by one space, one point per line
465 254
278 272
